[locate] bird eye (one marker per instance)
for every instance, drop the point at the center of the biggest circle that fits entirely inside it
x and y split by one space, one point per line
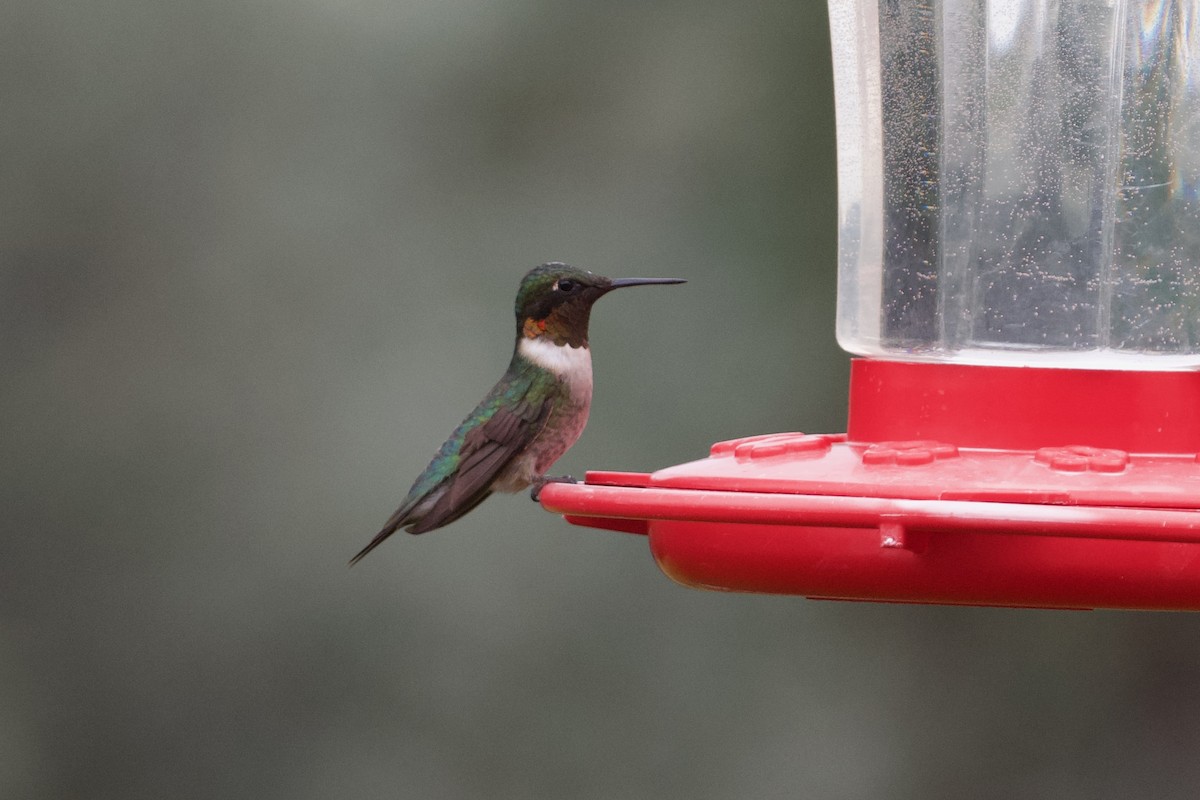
567 285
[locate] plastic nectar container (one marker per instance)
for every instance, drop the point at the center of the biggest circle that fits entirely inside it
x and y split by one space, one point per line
1018 181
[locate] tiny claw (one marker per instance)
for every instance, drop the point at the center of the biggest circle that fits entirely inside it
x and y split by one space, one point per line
541 482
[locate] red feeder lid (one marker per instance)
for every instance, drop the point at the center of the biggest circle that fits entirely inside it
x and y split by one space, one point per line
955 484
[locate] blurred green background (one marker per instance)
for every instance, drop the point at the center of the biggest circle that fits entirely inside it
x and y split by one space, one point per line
259 259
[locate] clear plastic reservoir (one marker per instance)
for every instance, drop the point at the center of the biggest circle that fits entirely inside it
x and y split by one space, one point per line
1018 181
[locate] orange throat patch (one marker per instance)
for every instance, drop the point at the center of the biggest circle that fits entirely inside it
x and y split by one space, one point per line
534 328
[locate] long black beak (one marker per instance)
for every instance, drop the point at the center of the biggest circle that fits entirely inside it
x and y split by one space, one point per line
622 282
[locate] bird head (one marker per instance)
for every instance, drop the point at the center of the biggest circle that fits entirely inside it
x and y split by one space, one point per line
555 301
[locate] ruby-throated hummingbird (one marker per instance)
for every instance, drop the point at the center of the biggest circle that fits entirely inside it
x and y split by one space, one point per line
533 414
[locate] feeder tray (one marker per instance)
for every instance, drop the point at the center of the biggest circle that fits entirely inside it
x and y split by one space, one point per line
1014 486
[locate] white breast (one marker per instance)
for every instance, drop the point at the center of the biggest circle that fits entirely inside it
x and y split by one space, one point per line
572 364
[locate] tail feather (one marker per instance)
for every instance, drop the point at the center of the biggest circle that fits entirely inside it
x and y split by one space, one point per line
391 527
433 511
408 515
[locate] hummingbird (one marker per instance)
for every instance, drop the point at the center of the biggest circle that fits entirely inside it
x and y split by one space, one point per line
533 414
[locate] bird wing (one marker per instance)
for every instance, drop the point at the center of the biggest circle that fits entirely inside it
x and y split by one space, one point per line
460 475
490 447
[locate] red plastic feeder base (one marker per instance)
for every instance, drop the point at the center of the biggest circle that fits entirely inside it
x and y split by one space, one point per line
955 484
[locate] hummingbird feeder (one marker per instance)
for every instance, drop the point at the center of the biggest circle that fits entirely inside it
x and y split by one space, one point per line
1019 278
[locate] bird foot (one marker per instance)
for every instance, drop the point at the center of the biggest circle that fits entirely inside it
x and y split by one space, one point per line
540 483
